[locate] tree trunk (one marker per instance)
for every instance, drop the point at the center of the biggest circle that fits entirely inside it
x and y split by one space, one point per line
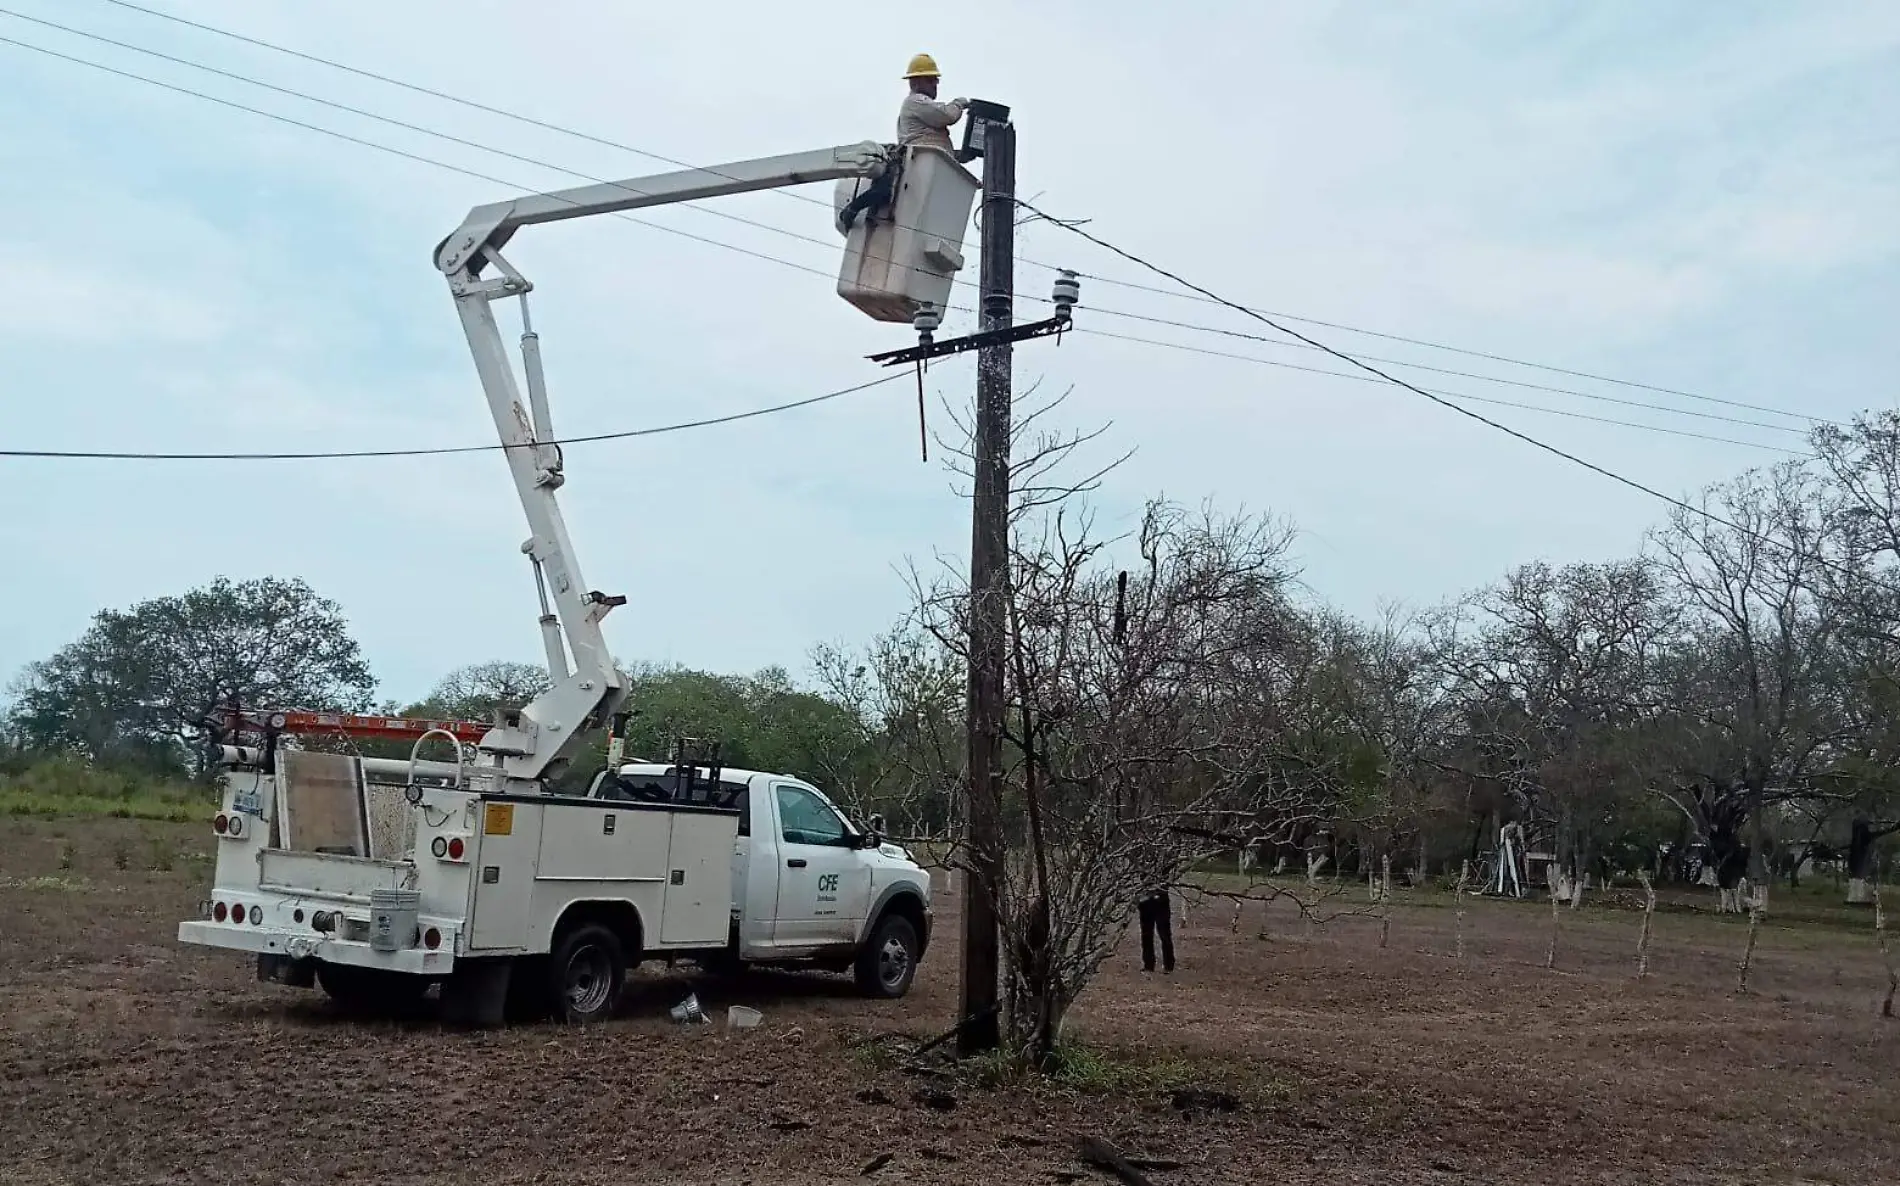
1036 1004
1860 863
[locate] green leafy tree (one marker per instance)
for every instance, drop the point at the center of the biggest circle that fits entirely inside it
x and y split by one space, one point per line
145 686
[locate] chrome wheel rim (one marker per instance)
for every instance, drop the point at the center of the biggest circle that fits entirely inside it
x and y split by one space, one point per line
589 980
893 961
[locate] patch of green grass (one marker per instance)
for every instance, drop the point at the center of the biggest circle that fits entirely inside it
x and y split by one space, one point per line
66 788
43 805
1086 1070
878 1052
65 885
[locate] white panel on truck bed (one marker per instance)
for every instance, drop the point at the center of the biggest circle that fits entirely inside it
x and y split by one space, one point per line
698 907
504 860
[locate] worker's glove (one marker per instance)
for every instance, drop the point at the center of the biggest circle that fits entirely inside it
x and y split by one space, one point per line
960 102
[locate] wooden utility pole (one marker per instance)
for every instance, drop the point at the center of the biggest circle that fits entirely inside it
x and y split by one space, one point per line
989 577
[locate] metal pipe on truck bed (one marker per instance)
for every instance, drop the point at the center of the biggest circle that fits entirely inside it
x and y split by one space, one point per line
250 755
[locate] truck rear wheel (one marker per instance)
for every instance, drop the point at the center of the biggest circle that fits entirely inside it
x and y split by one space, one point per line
887 964
587 974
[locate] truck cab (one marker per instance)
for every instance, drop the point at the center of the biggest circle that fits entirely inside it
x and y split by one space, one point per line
809 884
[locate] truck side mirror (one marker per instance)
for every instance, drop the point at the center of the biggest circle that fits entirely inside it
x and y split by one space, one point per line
876 824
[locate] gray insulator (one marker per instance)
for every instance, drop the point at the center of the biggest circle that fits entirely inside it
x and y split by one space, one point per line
1067 291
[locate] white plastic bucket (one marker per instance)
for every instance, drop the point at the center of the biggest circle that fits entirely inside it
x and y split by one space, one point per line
739 1017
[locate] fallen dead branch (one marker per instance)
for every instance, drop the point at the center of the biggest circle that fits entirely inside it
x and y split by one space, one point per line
1102 1155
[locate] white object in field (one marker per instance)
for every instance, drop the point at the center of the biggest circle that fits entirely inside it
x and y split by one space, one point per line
909 255
1510 837
585 685
688 1010
742 1017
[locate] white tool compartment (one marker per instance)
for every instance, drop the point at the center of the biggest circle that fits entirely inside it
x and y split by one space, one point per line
908 255
539 855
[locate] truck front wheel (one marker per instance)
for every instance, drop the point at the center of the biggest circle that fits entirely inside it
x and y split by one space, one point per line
887 964
587 974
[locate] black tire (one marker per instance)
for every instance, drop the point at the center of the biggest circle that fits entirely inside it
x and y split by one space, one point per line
888 963
371 990
587 974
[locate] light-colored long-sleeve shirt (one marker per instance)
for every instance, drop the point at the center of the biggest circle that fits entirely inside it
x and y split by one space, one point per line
923 120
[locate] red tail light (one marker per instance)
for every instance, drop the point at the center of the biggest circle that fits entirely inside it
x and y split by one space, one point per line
219 913
432 938
220 824
237 914
455 848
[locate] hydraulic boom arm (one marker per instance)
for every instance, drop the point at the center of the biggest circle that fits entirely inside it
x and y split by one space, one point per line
585 691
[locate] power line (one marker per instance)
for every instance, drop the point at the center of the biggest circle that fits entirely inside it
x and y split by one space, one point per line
421 159
1592 466
420 129
560 129
337 455
450 138
1262 338
1431 345
1460 395
393 151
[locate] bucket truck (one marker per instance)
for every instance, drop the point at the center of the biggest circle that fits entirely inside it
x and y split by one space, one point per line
376 878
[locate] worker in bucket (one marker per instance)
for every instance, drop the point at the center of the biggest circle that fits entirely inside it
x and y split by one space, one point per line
1156 908
921 120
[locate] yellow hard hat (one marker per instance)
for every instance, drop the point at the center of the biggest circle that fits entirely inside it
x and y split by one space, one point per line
922 66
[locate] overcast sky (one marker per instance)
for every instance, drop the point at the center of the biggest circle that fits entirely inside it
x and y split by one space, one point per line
1695 196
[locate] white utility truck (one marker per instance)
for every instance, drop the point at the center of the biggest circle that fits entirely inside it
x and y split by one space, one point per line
531 904
376 877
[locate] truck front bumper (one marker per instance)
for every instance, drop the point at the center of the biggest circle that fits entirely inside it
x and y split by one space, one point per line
304 945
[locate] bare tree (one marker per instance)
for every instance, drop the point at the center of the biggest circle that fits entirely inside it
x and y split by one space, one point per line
1754 687
1147 698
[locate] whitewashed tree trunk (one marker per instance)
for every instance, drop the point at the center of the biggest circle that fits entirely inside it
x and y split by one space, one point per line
1886 955
1649 914
1557 884
1757 907
1458 916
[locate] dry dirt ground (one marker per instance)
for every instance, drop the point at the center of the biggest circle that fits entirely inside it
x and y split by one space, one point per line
125 1057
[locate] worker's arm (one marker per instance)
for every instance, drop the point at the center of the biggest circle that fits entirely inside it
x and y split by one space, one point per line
934 114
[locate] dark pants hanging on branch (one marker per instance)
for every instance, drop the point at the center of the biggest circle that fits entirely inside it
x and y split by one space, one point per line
1157 922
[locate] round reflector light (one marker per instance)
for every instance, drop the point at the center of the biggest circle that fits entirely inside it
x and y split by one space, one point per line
257 915
440 847
234 826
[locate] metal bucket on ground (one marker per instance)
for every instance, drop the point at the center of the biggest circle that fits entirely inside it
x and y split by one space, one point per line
392 918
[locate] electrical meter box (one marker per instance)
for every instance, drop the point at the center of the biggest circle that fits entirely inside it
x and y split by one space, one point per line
908 255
